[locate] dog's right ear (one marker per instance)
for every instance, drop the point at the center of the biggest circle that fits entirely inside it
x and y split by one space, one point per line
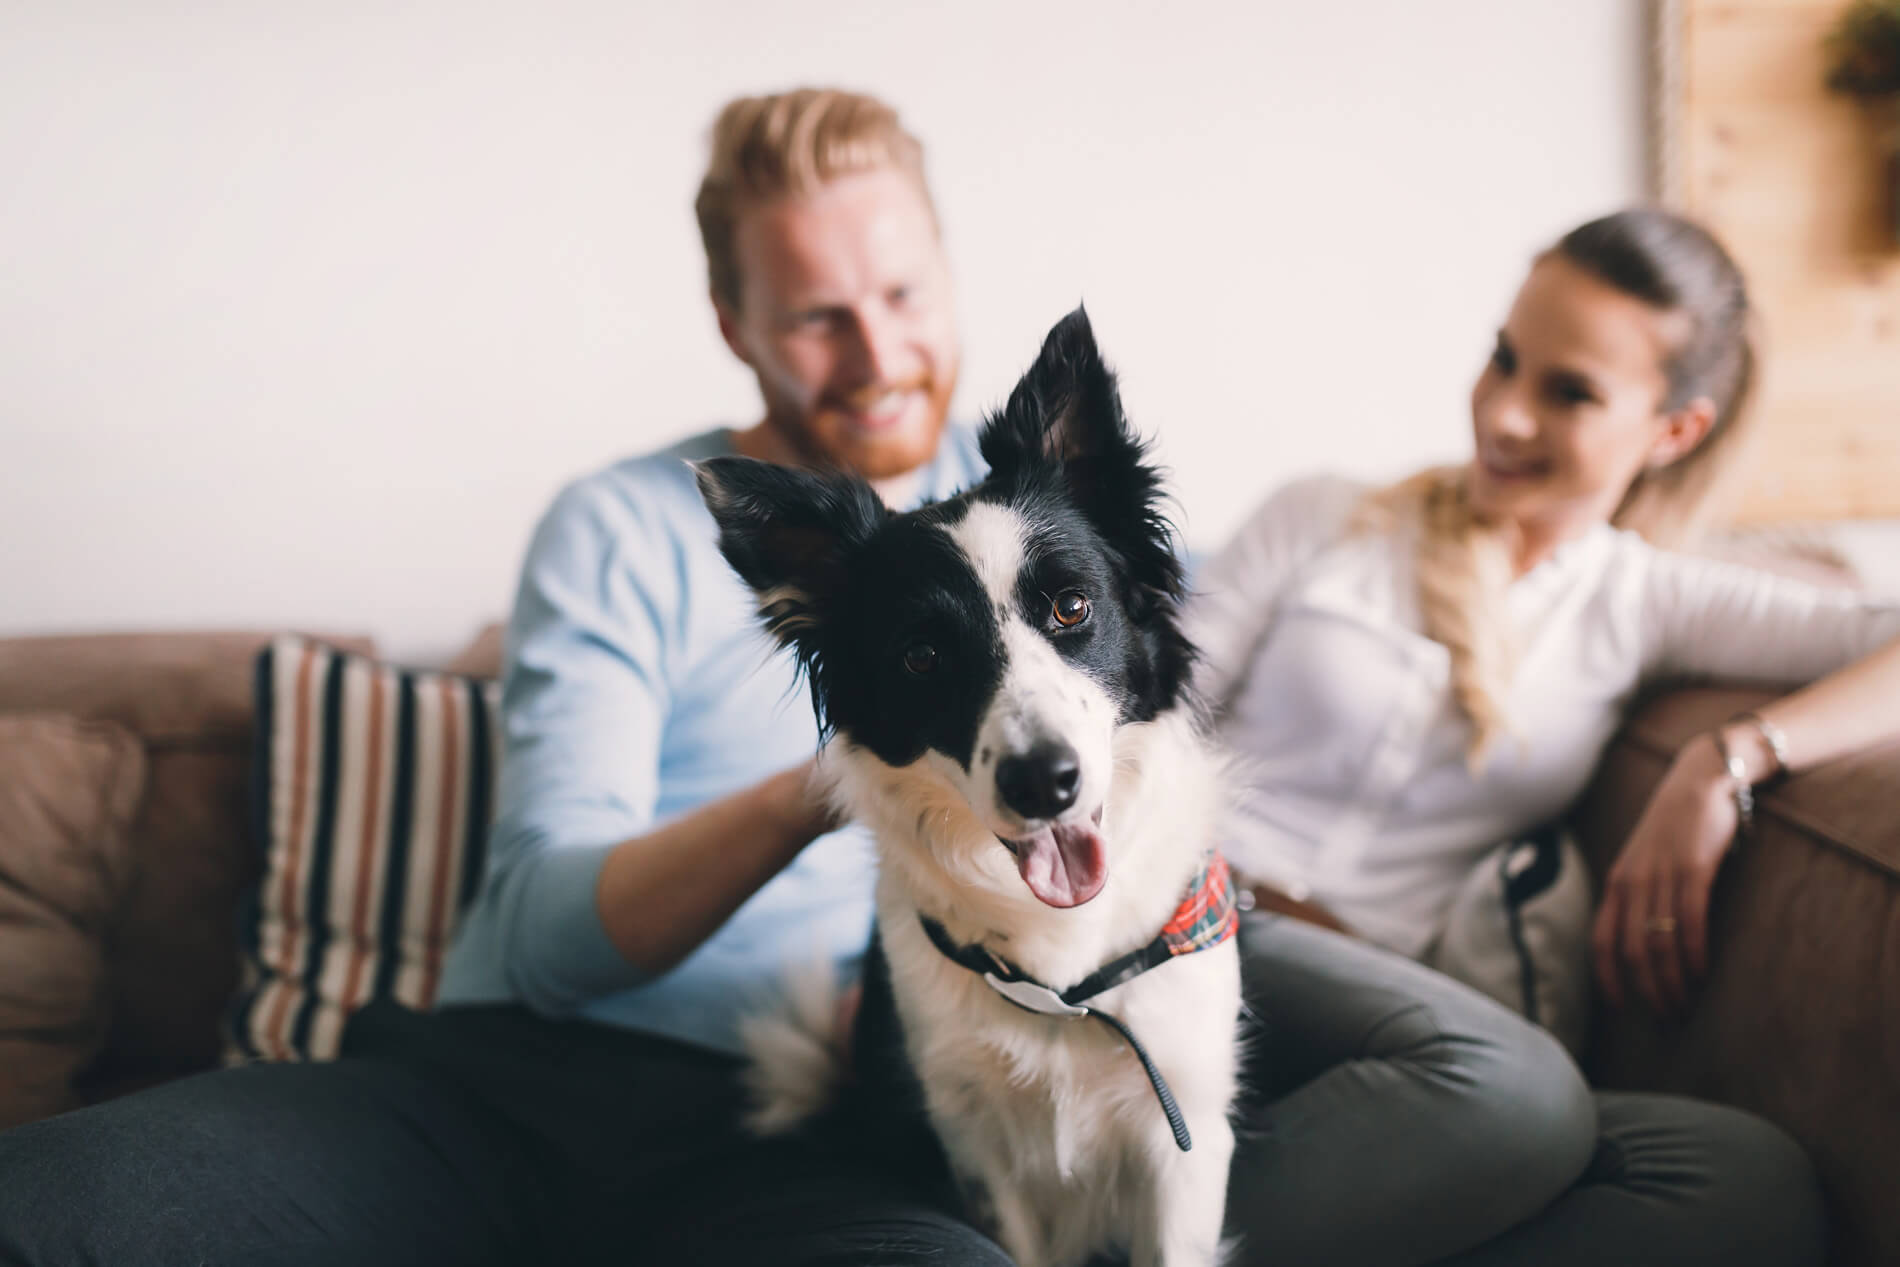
788 533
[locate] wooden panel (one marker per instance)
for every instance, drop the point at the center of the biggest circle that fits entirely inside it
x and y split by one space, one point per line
1789 176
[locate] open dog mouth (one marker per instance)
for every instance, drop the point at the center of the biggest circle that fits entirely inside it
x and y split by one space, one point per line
1064 864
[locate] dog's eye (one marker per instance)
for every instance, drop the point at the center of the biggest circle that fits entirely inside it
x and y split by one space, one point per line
1072 608
920 658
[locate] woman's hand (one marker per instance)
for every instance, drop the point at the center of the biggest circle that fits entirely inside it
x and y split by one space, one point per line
1652 929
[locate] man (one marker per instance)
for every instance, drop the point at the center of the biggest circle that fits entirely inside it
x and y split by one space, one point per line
658 859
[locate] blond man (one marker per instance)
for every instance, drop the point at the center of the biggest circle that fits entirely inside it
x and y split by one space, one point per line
657 859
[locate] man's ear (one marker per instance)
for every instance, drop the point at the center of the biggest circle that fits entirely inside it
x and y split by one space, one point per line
1682 431
729 328
789 534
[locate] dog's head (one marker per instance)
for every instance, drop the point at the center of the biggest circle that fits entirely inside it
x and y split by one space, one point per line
987 647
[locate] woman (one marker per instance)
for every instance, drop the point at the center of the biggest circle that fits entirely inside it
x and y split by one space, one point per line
1414 674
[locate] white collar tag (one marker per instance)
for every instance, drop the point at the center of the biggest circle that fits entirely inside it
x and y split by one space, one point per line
1032 997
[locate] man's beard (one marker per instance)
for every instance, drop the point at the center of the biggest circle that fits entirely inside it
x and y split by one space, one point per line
831 446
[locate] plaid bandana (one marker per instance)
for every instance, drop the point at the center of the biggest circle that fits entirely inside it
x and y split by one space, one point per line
1208 915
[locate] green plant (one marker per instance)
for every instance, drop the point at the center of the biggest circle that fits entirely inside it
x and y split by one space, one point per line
1864 49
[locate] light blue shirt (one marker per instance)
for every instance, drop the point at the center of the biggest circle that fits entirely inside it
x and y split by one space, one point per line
638 687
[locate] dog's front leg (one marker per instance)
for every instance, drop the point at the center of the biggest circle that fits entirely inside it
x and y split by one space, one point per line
1189 1201
1019 1230
978 1148
1012 1217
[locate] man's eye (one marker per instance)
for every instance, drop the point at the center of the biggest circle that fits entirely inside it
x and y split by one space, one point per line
1071 608
920 658
1503 359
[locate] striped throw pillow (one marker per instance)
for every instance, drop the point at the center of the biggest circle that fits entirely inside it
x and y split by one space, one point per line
373 795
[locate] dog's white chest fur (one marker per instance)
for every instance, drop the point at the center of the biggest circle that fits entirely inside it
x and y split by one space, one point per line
1050 1122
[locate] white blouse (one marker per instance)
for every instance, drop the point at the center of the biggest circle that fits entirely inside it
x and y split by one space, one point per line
1356 791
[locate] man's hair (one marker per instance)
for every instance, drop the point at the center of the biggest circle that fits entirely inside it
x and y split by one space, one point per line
790 144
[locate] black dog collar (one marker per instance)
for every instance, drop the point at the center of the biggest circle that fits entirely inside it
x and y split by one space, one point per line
1207 917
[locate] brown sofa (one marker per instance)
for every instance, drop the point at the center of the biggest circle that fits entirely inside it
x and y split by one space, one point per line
1799 1019
134 880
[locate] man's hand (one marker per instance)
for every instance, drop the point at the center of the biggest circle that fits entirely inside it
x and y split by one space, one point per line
803 802
662 894
1652 928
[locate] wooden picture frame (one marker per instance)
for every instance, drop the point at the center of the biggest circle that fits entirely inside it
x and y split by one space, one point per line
1745 137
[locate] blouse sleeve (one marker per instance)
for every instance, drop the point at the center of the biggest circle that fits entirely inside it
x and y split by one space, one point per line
1233 598
1705 617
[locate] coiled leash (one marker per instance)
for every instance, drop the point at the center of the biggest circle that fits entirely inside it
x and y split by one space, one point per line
1207 917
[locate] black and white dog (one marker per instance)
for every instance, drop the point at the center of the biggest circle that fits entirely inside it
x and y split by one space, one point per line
1004 680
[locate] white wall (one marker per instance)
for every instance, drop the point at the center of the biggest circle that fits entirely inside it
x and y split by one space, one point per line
306 309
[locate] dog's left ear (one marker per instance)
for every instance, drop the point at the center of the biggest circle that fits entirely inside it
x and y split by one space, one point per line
1064 424
1065 409
788 534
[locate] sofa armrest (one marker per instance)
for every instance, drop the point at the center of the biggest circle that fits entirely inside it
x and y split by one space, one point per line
1799 1019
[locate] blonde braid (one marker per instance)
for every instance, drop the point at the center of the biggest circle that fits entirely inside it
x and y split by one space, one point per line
1464 573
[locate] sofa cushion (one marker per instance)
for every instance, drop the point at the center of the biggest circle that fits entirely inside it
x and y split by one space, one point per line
164 687
483 655
68 791
172 961
1810 552
374 798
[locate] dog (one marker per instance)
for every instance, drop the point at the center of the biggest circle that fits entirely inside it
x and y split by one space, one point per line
1004 685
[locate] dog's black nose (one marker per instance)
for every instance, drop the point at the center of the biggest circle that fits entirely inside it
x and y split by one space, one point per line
1042 782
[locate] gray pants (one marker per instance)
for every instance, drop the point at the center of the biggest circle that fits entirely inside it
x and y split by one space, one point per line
1396 1117
1392 1117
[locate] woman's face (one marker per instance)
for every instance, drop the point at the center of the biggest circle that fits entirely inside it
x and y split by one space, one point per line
1571 405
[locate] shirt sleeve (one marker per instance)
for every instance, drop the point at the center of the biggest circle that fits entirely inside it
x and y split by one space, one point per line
1233 596
1709 618
584 700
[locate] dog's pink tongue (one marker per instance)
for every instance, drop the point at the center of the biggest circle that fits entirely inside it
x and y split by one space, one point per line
1063 865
